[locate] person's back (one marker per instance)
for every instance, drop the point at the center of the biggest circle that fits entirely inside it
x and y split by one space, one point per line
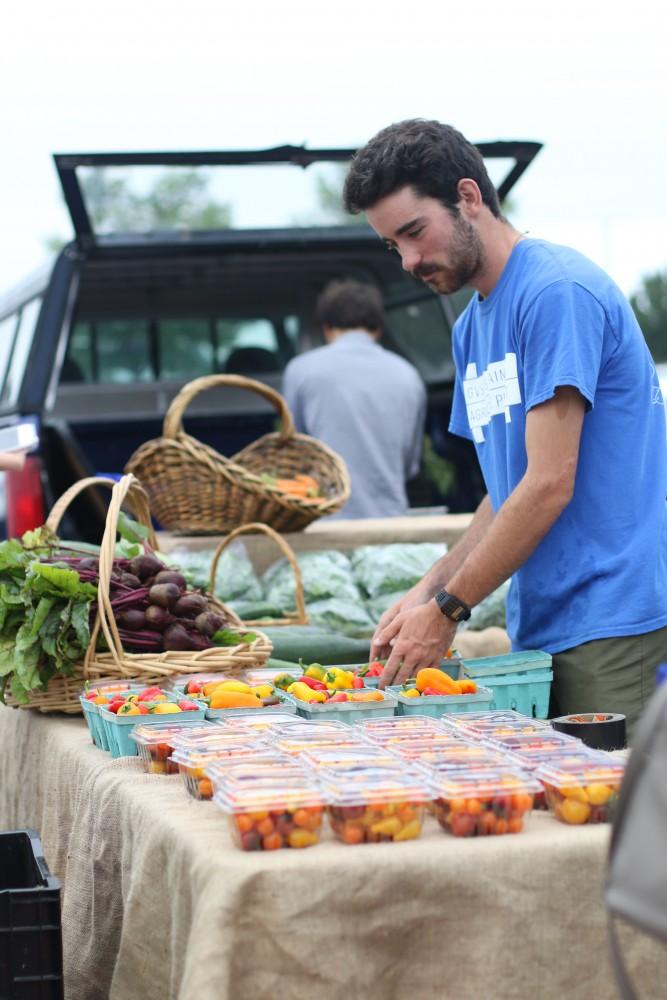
363 401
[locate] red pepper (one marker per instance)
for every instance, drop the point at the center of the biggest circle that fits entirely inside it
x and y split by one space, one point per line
115 704
339 696
430 690
312 683
375 669
357 682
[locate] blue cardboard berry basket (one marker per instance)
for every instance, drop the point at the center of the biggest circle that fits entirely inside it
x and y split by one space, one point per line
119 727
346 711
437 705
519 681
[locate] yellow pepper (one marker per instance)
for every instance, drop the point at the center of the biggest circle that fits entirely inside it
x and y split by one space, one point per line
411 693
338 680
305 693
316 671
262 690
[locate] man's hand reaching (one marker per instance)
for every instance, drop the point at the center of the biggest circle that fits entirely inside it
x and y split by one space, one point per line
415 638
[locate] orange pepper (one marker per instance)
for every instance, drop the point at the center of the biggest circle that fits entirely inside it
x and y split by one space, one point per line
234 699
438 679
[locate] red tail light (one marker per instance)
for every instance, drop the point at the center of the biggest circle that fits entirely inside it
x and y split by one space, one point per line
25 501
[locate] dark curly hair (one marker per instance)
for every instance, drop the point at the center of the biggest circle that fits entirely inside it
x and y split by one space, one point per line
350 305
426 155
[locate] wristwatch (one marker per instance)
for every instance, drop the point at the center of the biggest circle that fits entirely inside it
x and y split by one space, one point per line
452 607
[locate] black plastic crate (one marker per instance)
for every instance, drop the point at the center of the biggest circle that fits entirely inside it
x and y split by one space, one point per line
31 954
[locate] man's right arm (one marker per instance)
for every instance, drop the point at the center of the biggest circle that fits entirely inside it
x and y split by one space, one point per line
440 573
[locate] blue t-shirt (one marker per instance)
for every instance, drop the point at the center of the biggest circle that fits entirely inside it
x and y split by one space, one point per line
555 319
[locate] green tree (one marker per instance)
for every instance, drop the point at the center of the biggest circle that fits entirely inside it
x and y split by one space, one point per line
650 305
329 210
178 199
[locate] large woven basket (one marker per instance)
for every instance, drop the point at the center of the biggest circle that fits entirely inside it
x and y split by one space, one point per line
298 617
193 489
62 694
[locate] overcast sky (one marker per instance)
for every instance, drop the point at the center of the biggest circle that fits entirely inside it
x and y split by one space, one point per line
585 79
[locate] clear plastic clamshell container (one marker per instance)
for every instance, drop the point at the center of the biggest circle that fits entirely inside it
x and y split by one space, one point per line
265 815
258 721
399 724
404 729
484 723
543 741
373 804
473 802
264 765
296 737
192 757
449 754
345 757
155 744
582 791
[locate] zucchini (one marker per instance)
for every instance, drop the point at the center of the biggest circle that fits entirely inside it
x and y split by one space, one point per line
307 643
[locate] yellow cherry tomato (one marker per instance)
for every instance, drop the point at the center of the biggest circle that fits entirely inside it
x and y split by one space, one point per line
575 812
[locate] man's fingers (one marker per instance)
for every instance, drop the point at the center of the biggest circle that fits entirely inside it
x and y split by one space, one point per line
390 631
405 671
391 668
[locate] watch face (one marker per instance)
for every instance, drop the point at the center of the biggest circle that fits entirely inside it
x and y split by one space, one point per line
452 607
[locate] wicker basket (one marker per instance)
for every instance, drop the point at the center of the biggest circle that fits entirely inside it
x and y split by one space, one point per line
298 617
194 490
62 694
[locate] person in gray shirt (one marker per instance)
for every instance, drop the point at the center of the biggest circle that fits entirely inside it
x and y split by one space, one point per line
365 402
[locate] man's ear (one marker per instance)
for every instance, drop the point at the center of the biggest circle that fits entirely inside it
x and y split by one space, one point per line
470 197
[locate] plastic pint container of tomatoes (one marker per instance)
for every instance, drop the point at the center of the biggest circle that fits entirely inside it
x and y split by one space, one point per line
192 758
266 815
477 803
584 790
374 804
155 744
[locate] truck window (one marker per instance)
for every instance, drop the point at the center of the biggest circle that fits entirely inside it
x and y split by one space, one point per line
111 351
19 352
422 333
185 348
239 337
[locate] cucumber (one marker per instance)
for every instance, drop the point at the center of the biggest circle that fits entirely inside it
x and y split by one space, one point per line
307 643
253 610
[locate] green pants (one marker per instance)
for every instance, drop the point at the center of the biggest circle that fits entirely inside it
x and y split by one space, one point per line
608 675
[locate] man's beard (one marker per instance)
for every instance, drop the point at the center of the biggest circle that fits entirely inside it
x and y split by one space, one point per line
466 254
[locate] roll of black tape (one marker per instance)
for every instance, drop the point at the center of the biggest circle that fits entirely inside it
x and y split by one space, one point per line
599 730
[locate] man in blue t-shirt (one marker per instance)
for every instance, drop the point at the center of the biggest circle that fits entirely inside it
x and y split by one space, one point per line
557 389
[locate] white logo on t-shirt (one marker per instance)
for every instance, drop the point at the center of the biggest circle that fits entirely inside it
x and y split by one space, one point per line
490 393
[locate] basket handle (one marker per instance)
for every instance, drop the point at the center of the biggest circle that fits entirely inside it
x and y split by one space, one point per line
173 425
128 489
137 501
301 616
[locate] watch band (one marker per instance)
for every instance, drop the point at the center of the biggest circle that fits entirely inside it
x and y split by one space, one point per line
452 607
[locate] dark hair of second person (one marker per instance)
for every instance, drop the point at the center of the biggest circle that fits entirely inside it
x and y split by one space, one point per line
426 155
350 305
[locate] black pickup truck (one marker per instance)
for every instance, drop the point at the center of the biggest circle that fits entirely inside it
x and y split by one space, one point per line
93 349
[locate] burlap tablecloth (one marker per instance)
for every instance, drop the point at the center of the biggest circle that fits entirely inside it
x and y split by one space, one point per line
158 904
